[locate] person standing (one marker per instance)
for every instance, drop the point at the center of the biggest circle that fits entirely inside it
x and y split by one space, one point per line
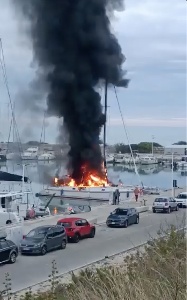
117 196
136 193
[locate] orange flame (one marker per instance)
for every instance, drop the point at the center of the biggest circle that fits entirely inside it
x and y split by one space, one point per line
89 179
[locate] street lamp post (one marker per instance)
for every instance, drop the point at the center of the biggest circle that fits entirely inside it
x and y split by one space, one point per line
23 181
172 174
23 175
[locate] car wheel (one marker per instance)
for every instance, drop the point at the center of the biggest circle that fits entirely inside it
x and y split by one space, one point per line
154 210
92 233
126 224
12 258
177 208
137 220
44 250
76 238
168 210
63 244
8 222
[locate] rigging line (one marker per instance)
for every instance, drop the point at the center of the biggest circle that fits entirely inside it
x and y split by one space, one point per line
2 61
3 65
9 135
136 171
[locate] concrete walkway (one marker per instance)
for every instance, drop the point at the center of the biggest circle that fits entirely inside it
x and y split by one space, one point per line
99 213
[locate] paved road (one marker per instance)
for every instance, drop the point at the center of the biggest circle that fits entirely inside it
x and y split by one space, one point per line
29 270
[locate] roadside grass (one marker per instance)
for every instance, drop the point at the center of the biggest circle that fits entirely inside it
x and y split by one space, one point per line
156 273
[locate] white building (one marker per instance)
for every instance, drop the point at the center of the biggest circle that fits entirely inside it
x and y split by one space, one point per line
176 150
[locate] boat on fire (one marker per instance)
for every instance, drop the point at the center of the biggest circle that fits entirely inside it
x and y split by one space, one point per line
93 191
92 186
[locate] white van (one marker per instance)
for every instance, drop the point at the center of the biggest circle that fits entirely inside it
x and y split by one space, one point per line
7 218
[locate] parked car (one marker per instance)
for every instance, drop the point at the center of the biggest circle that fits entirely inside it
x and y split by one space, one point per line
43 239
77 228
182 199
123 217
8 250
165 204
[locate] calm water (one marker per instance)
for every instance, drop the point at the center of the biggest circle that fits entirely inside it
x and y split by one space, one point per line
42 173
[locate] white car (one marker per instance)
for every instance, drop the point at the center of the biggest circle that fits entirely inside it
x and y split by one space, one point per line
182 199
165 204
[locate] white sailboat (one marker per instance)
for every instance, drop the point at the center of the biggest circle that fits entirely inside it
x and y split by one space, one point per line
183 163
30 154
148 160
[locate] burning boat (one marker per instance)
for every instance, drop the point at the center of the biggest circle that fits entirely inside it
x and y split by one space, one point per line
92 187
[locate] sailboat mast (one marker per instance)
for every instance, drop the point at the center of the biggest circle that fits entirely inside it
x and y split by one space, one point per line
104 133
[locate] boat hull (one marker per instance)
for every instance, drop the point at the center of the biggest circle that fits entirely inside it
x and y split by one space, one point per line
146 163
97 193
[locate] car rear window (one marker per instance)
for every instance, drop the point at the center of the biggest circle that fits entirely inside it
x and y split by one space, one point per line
161 200
65 224
120 212
40 232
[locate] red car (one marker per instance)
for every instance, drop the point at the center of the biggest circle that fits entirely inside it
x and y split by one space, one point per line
77 228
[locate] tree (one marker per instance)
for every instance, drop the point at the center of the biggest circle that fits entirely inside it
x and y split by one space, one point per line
143 147
180 143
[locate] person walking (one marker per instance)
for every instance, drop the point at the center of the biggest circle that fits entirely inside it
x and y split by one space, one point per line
136 193
117 196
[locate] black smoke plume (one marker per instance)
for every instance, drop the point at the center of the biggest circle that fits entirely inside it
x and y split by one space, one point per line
75 51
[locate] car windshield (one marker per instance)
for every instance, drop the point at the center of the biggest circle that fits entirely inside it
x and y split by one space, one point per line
65 224
182 196
120 212
37 233
161 200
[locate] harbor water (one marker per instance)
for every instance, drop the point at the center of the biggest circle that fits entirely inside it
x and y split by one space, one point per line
41 174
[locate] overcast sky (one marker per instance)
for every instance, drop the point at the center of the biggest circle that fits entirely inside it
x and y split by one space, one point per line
152 34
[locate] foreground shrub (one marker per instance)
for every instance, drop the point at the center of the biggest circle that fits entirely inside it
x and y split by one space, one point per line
157 273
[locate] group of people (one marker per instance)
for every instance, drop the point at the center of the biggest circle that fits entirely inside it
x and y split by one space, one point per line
116 195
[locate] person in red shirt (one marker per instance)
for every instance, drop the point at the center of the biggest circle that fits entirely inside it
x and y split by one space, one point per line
136 193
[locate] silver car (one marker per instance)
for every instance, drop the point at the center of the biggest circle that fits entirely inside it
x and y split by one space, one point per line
182 199
165 204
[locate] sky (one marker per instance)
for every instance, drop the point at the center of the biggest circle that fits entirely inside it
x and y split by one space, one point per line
152 35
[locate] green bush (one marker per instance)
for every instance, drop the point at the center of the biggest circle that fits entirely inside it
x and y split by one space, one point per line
156 273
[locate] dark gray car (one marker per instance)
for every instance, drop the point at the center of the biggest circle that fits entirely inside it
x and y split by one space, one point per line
43 239
123 217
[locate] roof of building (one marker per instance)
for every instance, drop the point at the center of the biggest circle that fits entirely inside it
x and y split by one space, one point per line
176 147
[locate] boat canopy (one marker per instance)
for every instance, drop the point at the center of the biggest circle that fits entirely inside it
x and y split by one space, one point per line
5 176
